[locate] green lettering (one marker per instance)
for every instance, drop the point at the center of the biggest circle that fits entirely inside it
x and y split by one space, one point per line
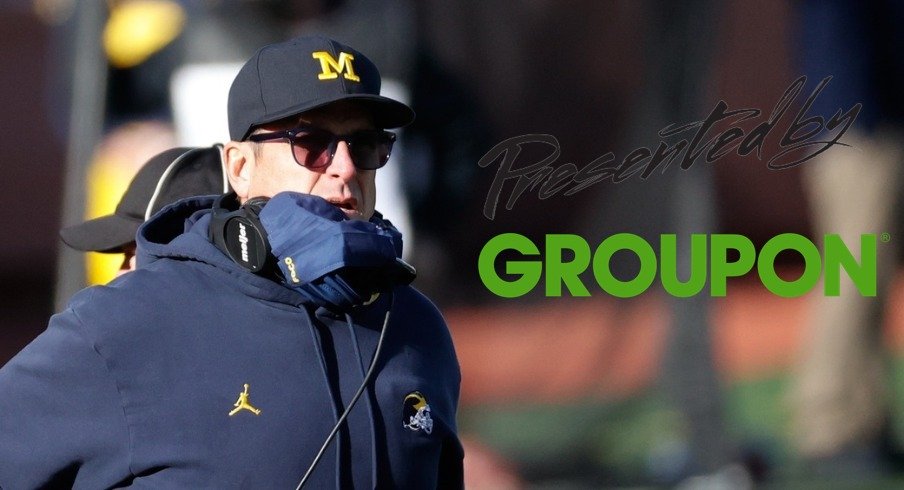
529 270
766 265
668 266
837 255
558 272
603 274
720 268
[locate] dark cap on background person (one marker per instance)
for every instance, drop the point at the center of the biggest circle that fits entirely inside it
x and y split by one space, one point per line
292 77
172 175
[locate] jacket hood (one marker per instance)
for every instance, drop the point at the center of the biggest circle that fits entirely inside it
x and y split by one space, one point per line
180 232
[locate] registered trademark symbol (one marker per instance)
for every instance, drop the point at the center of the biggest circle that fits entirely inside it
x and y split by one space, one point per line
885 237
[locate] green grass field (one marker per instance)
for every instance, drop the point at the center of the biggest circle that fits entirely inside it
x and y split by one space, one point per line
639 441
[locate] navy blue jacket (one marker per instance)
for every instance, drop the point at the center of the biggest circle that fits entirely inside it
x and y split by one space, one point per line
192 373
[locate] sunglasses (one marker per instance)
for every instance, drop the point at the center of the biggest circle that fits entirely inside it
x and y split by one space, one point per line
314 147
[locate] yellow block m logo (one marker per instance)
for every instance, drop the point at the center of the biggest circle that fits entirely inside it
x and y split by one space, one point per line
330 68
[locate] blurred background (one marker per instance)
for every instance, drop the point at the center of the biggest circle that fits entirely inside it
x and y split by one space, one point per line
749 390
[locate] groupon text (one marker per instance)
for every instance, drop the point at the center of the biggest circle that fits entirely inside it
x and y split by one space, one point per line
717 256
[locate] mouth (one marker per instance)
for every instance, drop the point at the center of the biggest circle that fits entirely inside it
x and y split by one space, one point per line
348 205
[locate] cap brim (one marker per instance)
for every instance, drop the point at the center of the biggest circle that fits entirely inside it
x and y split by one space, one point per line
107 234
387 113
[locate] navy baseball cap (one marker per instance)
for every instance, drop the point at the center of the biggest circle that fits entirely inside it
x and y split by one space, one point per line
292 77
172 175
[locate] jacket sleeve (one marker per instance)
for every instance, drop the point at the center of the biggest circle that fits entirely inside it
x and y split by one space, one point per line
61 419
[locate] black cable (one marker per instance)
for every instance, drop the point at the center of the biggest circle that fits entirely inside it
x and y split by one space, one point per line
364 383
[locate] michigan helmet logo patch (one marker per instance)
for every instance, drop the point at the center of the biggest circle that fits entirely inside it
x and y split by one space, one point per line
416 413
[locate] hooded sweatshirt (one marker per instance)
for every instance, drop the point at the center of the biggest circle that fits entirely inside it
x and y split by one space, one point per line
191 372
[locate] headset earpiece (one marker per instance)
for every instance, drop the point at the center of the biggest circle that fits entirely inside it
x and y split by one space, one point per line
237 231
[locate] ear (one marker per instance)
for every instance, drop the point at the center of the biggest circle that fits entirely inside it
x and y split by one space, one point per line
240 164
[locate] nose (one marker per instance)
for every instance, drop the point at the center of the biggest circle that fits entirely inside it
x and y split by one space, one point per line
342 165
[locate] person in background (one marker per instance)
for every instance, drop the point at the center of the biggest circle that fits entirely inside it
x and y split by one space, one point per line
167 177
842 422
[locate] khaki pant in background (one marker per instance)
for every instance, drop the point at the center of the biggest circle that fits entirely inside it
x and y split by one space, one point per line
838 392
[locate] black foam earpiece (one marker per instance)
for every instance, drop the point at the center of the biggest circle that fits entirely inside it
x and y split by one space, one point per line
237 231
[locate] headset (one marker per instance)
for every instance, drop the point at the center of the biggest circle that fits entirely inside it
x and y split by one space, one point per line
237 231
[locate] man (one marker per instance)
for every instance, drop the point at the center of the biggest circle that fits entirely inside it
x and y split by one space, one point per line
167 177
286 296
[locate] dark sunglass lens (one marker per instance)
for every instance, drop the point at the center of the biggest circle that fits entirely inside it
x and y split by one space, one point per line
384 148
370 149
312 148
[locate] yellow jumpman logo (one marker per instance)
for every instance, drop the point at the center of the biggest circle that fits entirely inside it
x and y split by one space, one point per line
242 403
